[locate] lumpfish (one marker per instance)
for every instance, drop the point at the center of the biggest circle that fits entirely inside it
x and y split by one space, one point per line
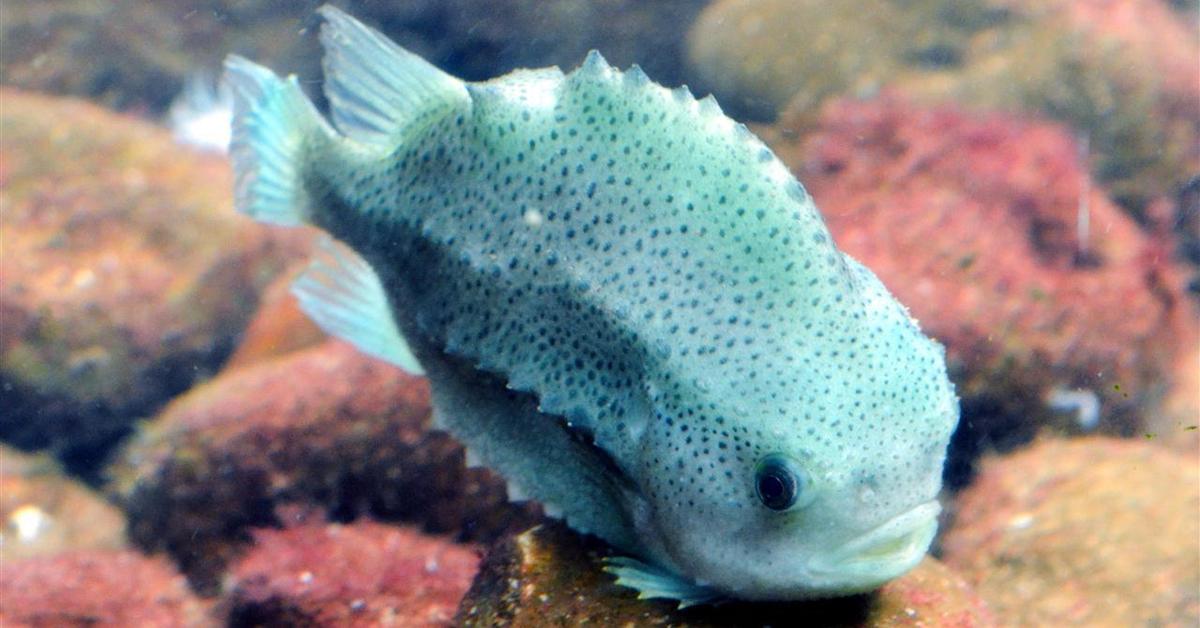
624 303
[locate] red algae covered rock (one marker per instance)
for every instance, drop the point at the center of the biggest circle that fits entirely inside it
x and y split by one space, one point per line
326 426
97 588
44 512
359 574
126 276
1054 307
1093 531
552 576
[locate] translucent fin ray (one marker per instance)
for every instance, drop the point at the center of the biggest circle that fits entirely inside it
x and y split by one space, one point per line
273 121
375 87
654 582
345 298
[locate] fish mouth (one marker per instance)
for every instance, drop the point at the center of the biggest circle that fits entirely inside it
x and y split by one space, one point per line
886 551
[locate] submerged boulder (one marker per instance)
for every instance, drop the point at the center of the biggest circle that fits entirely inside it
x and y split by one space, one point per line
356 574
1094 531
44 512
127 276
325 426
97 588
1120 73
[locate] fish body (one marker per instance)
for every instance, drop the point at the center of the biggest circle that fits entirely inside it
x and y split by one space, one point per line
625 304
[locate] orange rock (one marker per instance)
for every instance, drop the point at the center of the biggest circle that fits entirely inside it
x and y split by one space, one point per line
45 513
1181 429
1094 531
279 327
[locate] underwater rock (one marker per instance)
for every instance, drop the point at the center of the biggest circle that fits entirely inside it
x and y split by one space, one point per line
97 588
552 576
43 512
1093 531
125 54
1121 74
757 55
1182 407
325 426
126 274
137 55
973 221
278 327
357 574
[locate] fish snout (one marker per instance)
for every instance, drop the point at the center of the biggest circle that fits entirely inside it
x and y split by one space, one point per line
883 552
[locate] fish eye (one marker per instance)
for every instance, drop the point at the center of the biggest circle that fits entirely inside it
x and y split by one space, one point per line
779 482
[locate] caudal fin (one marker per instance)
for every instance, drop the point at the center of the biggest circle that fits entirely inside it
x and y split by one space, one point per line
273 125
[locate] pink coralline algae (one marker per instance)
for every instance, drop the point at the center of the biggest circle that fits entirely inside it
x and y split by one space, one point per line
359 574
97 588
326 426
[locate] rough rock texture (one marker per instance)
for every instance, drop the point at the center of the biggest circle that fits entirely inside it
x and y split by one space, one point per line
97 588
1121 73
135 54
325 425
359 574
972 222
44 512
1086 532
126 276
552 576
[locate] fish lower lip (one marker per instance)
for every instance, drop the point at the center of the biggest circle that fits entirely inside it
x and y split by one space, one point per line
895 545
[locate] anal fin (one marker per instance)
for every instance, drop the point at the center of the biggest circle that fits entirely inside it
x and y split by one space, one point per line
342 294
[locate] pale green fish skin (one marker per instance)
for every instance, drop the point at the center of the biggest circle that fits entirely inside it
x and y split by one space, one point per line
625 303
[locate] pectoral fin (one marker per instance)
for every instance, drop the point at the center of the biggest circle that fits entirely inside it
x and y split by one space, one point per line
344 297
654 582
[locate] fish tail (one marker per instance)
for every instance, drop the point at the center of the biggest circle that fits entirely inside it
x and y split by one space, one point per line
274 124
